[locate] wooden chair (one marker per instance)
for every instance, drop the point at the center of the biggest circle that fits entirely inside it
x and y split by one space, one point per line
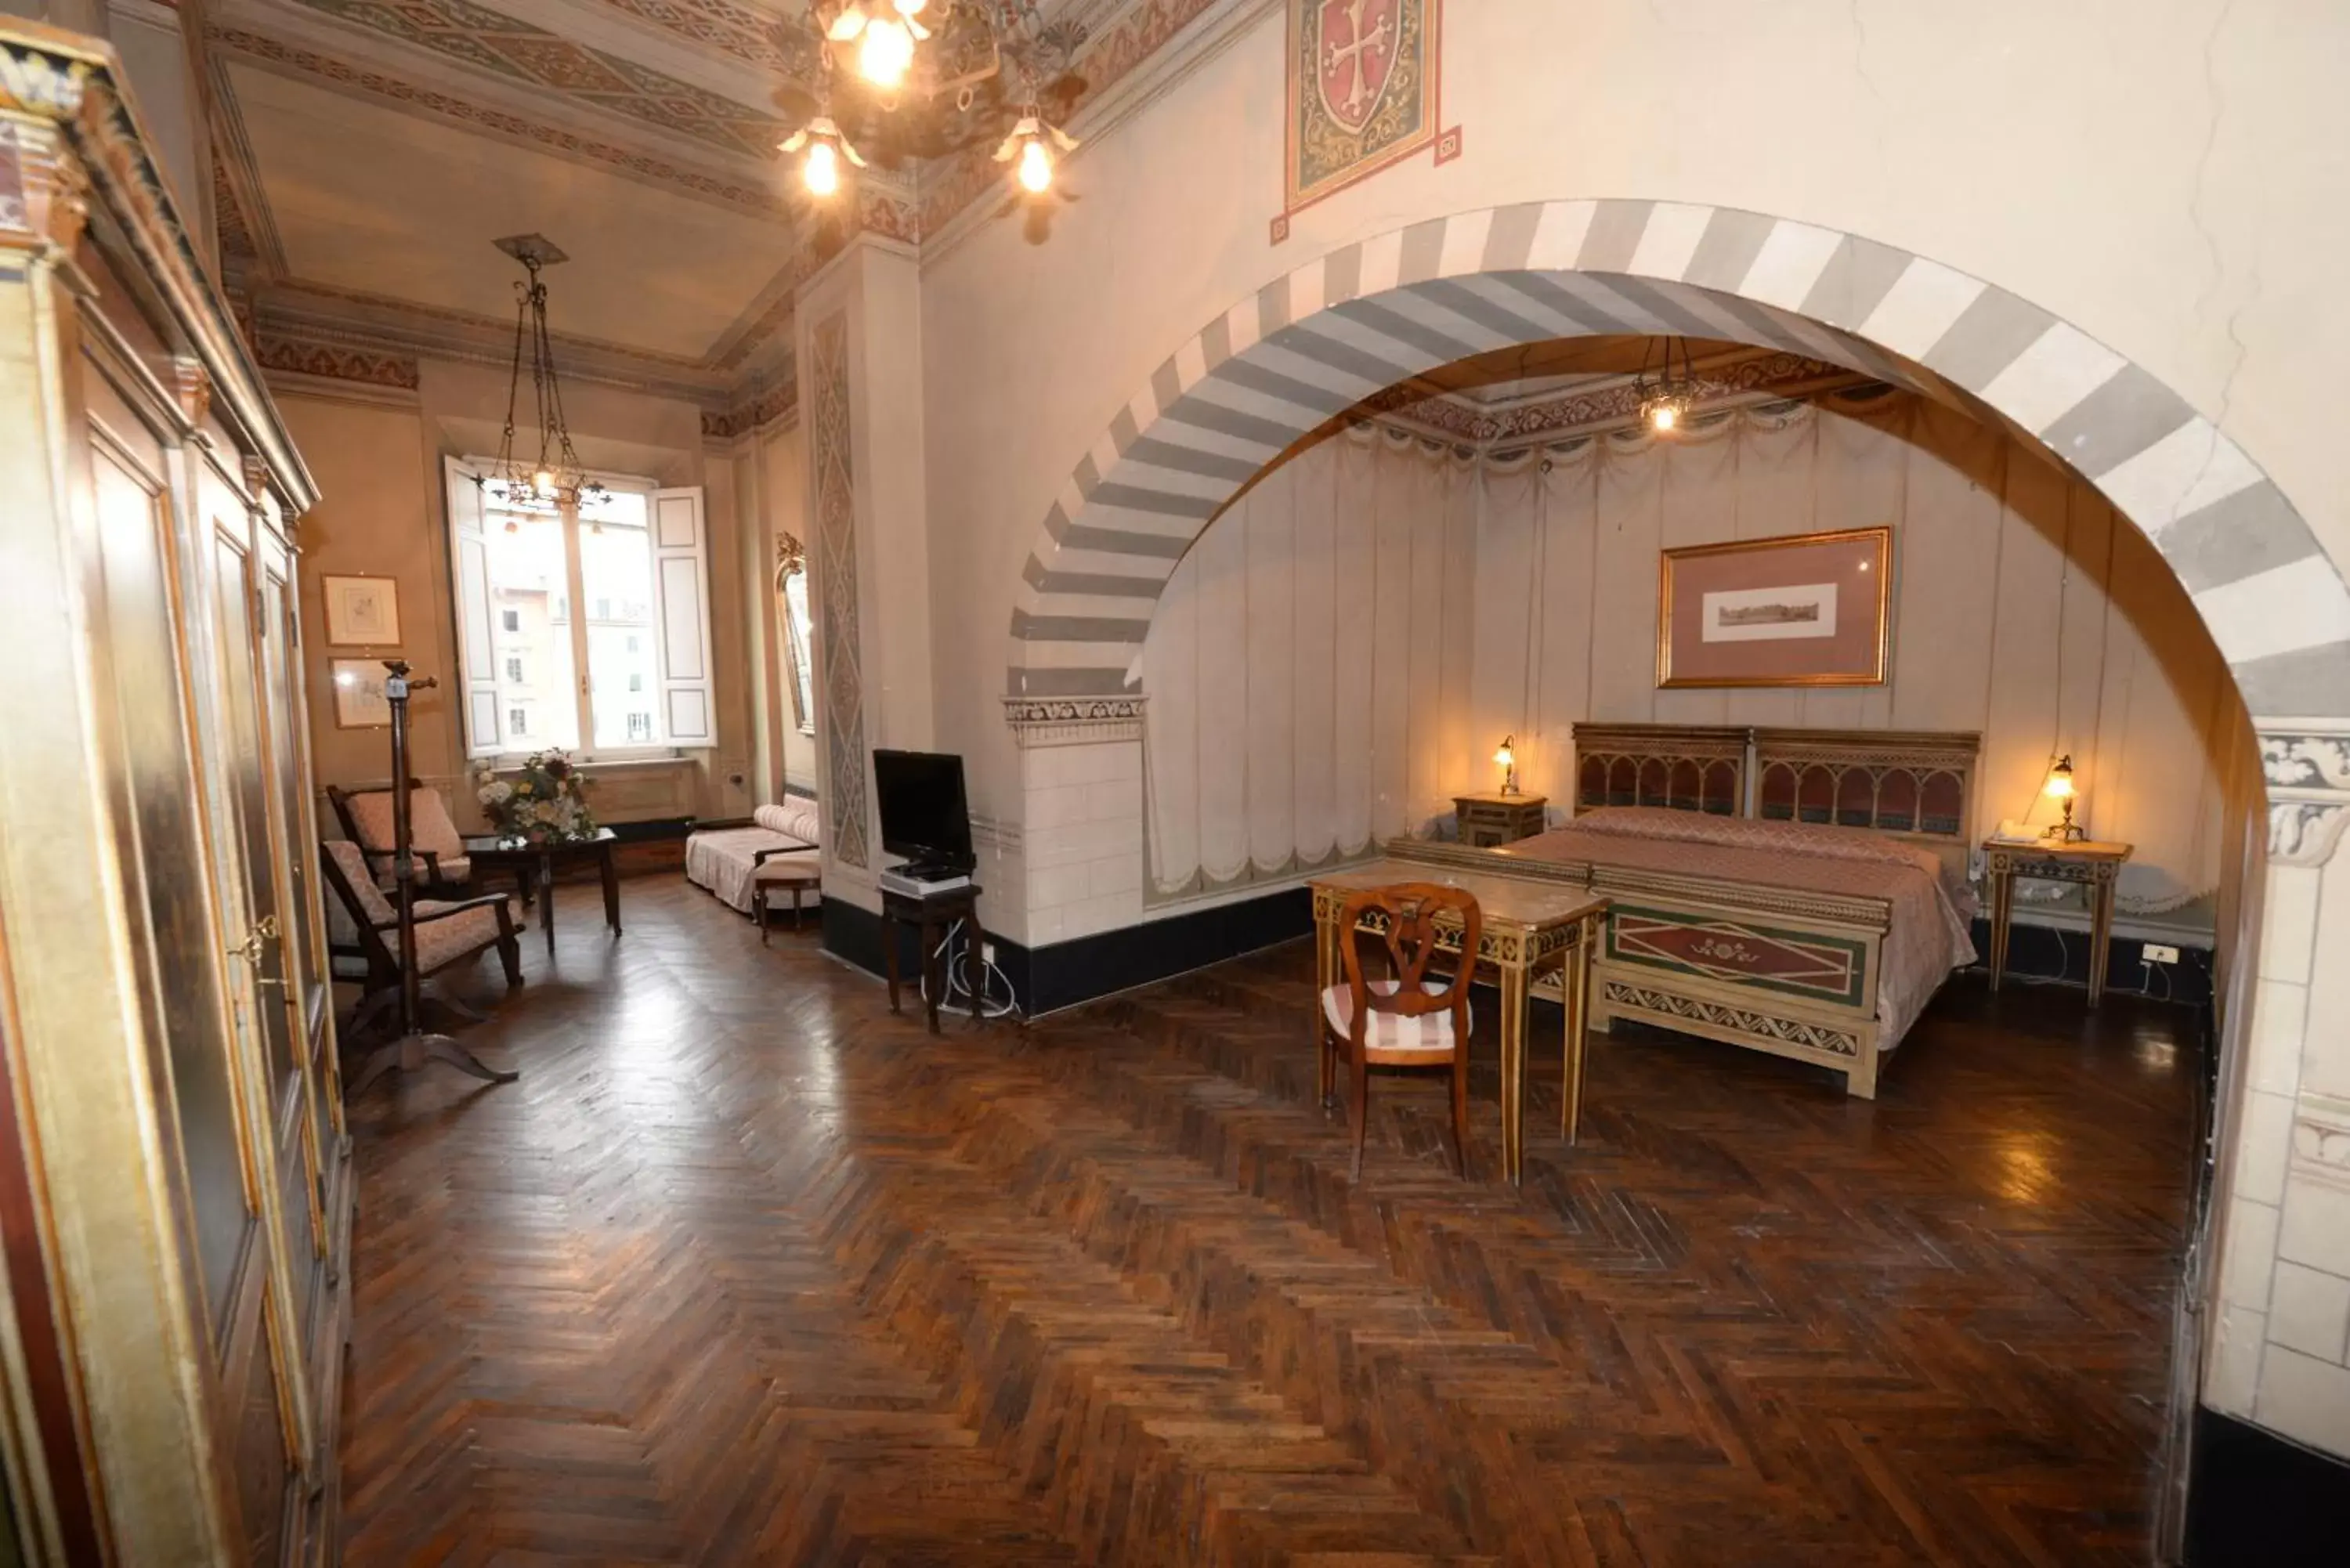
439 848
1411 1019
447 934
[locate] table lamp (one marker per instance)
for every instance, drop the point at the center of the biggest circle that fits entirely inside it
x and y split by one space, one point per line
1507 757
2060 788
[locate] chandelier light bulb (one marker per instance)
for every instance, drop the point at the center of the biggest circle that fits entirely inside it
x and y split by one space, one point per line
542 481
1664 417
822 169
910 7
884 52
1035 168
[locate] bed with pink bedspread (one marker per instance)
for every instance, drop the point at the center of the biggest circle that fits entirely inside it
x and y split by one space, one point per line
1926 932
1798 891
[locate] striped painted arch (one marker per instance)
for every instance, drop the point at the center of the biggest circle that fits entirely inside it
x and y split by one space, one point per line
1361 318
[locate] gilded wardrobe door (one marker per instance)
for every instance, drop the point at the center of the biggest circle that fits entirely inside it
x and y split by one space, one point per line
254 859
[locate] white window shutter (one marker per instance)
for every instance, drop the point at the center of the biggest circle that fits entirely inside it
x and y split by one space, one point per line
681 589
469 563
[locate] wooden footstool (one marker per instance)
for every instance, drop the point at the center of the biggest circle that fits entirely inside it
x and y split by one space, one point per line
799 874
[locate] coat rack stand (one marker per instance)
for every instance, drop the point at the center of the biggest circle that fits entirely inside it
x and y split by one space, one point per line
416 1046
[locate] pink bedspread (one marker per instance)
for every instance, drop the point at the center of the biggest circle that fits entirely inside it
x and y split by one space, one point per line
1927 936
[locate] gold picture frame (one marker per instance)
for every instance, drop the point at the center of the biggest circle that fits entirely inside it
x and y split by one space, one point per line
1800 609
361 612
359 702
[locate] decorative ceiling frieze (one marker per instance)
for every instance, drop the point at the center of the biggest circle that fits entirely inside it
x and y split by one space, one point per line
1601 401
751 195
598 79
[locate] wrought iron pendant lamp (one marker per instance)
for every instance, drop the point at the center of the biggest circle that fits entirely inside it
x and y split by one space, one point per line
551 479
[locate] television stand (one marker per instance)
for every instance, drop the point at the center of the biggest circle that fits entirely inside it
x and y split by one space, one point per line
931 916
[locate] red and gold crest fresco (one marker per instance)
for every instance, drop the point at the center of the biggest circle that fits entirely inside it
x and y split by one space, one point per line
1363 80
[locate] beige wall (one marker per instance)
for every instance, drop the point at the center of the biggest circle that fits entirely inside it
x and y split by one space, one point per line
377 461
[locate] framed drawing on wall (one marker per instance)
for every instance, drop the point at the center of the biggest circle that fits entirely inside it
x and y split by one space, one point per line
1805 609
361 612
358 694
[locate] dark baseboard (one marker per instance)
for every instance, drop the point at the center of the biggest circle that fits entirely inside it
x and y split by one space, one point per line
2047 953
2257 1501
1066 973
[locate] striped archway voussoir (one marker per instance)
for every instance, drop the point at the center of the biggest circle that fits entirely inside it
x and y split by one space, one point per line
1366 316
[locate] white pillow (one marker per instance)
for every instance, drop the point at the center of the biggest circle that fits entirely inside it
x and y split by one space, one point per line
796 817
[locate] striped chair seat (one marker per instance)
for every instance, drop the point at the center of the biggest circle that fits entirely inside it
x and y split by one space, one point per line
1386 1033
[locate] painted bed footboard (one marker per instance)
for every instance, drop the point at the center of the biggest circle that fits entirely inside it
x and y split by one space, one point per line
1773 969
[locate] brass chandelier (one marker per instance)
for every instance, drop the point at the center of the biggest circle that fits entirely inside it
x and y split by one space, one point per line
552 478
940 49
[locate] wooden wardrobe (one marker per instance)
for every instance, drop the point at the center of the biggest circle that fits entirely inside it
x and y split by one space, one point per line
175 1175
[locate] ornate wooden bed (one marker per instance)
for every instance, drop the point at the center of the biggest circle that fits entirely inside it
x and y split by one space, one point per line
1769 966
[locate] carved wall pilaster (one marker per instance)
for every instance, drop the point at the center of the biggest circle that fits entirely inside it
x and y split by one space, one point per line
2307 764
1073 721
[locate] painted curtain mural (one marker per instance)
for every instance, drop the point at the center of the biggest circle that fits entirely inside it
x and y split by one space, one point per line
2024 608
836 558
1308 668
1343 647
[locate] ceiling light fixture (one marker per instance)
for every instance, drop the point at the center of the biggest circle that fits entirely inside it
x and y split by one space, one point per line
1667 402
880 45
1032 144
820 169
553 479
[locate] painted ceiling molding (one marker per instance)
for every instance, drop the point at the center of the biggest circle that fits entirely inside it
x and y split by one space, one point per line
490 40
758 196
1731 379
335 362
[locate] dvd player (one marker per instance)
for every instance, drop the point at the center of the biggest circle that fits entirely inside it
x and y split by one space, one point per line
921 881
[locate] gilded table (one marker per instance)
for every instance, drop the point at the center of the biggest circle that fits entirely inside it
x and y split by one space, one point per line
1530 929
2093 863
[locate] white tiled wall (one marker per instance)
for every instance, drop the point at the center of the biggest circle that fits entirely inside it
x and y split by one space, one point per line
1083 838
2280 1349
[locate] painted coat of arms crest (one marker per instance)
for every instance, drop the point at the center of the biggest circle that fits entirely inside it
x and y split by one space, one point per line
1363 79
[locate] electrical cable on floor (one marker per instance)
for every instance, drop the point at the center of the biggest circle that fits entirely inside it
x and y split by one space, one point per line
957 986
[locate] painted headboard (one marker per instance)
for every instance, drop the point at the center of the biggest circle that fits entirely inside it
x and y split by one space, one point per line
1916 784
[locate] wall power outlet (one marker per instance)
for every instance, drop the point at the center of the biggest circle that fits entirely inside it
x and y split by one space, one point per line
2160 952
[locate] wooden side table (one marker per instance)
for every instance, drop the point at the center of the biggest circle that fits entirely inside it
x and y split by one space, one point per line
1486 820
931 917
533 867
2093 863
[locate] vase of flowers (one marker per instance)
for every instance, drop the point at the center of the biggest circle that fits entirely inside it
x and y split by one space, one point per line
546 801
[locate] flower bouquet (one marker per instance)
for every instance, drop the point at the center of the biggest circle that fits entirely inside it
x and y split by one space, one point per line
546 801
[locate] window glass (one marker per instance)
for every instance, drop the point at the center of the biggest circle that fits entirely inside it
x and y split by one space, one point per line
616 575
528 572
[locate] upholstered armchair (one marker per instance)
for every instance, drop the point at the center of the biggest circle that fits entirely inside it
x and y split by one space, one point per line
440 848
447 932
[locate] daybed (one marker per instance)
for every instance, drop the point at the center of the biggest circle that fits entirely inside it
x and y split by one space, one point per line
723 856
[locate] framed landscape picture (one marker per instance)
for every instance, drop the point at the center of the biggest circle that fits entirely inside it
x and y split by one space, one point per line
1805 609
360 702
361 612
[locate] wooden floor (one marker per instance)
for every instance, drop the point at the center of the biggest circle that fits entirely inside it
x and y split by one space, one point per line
745 1270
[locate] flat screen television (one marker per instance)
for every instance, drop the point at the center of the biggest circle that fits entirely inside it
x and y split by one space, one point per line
924 815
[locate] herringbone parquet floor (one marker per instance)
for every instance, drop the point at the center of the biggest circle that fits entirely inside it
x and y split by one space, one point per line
745 1270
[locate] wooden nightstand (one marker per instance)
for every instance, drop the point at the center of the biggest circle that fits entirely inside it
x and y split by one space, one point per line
2090 862
1486 820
